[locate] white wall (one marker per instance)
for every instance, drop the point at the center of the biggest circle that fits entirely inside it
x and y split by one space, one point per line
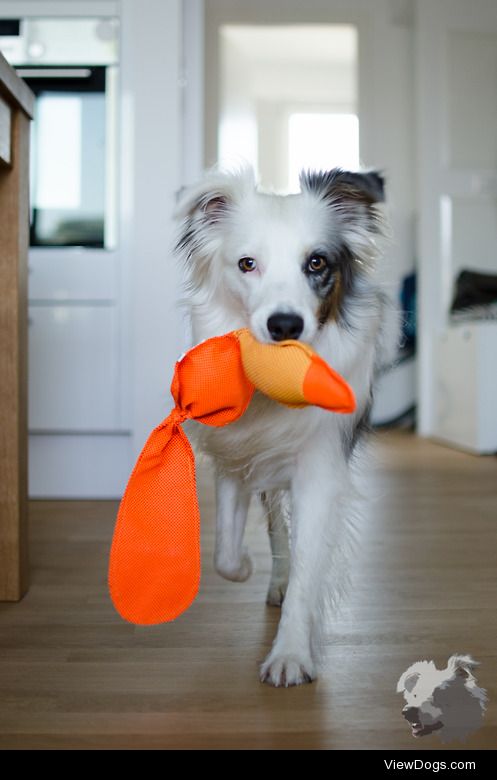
151 170
238 119
393 145
192 93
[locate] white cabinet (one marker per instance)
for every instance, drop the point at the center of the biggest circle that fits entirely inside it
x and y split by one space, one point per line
73 274
395 392
79 466
466 387
73 368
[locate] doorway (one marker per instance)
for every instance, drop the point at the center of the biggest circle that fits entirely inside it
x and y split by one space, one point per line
288 86
288 99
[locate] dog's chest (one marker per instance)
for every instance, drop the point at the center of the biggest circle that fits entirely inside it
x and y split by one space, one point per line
263 444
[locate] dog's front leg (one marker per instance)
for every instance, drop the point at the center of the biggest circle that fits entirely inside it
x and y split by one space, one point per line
274 505
321 475
232 560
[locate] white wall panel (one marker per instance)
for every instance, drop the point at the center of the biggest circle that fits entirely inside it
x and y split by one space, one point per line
78 466
73 365
73 274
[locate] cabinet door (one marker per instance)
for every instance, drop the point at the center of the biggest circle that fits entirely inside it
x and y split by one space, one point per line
73 364
457 164
73 274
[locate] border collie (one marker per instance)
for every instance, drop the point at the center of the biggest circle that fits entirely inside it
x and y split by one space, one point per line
297 266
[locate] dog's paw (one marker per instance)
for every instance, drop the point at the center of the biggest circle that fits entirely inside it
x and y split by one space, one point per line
276 593
236 571
282 669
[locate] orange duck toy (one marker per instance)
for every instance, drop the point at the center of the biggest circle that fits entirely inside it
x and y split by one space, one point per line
154 569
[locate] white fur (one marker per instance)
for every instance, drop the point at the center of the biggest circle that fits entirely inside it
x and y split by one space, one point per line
447 701
297 457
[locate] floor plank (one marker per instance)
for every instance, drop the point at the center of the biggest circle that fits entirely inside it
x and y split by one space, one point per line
74 675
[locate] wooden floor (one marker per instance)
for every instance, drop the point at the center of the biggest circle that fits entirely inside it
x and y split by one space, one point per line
73 675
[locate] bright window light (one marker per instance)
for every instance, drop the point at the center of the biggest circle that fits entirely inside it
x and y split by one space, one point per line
320 141
58 125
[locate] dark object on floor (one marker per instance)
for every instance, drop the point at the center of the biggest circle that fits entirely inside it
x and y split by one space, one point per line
408 303
473 288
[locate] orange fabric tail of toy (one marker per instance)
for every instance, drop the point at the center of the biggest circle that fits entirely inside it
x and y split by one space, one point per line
154 569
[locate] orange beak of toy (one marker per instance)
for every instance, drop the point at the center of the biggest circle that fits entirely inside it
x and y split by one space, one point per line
293 374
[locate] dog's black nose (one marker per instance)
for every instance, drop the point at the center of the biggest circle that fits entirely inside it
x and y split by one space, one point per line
411 714
285 326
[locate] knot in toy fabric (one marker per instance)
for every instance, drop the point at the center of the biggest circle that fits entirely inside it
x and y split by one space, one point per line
209 383
177 416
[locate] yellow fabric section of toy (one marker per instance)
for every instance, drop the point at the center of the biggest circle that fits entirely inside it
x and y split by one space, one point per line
293 374
277 370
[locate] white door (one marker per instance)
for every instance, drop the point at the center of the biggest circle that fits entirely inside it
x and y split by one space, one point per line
457 171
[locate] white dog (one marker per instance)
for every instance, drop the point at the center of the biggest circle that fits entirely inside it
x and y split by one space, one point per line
447 701
288 267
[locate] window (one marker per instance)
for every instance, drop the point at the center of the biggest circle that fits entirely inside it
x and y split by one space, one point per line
68 156
71 64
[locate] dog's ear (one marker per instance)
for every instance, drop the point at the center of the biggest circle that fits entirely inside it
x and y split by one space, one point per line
203 206
354 198
337 185
209 202
462 666
407 681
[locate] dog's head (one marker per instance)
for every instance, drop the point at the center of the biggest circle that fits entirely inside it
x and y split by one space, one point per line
444 700
282 265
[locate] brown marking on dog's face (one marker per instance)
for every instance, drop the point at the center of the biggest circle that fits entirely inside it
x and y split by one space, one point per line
334 284
329 307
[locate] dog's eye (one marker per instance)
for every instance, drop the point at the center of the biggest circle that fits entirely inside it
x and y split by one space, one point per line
247 264
316 263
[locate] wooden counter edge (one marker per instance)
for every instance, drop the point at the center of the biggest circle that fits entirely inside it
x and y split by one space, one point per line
15 89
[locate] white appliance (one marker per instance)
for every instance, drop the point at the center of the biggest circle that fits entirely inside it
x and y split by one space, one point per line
466 387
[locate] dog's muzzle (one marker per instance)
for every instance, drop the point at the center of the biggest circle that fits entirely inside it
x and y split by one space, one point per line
411 714
283 326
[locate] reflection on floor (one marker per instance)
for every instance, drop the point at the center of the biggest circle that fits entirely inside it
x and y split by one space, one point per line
72 674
